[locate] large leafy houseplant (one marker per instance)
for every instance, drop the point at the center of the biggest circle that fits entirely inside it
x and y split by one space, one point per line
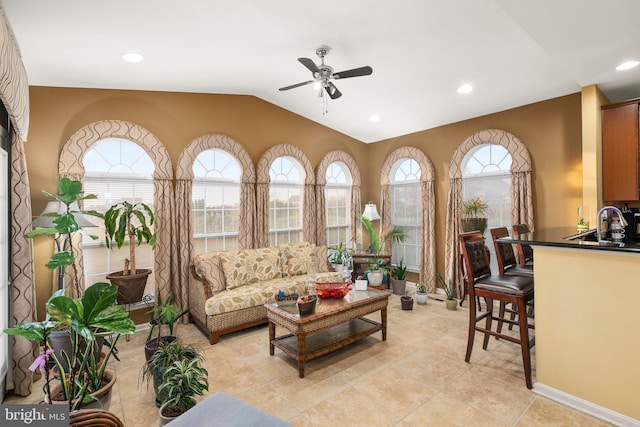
163 313
65 225
92 315
133 223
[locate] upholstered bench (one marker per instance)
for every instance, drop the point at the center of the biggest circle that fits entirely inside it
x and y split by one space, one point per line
220 409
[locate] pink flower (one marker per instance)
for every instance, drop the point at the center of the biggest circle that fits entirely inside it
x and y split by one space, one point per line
40 361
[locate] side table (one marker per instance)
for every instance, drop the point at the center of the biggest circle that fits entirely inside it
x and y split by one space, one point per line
361 263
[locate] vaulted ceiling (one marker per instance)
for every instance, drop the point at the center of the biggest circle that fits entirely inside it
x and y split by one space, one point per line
512 52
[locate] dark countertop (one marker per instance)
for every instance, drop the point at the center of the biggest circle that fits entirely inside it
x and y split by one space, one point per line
561 237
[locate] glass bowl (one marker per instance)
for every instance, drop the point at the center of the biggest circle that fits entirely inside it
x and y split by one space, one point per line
334 290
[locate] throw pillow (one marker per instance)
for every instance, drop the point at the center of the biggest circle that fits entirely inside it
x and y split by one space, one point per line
209 267
238 268
267 263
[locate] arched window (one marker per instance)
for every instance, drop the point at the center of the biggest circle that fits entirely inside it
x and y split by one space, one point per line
406 211
116 170
486 174
337 193
216 201
286 190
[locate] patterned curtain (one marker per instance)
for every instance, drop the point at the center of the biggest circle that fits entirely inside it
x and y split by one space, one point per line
166 259
262 193
14 94
184 218
321 214
23 292
71 166
321 182
521 191
428 201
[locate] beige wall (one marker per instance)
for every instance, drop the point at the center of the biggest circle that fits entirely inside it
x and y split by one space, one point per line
551 130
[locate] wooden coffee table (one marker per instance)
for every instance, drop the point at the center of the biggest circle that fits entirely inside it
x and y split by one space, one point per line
335 324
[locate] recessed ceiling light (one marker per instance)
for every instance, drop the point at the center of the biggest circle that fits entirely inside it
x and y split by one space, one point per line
627 65
465 88
132 57
374 119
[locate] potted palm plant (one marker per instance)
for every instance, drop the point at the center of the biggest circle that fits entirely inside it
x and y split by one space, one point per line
132 222
399 282
181 382
474 213
377 243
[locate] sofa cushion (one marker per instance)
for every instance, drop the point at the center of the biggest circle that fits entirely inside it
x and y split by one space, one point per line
261 293
208 265
299 259
288 250
239 268
267 263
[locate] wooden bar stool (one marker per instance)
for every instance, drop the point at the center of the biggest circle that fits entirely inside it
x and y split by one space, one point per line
525 252
516 290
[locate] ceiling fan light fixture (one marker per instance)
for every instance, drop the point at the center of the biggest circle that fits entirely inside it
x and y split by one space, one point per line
465 88
627 65
374 119
132 57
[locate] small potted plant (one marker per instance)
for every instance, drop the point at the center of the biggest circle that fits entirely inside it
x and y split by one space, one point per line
406 301
132 222
339 256
474 212
163 313
181 382
399 282
154 369
450 291
421 294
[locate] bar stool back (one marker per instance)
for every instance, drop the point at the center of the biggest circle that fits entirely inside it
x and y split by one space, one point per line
516 290
506 257
525 252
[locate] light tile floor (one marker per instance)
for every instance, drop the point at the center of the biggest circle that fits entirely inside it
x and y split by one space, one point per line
417 377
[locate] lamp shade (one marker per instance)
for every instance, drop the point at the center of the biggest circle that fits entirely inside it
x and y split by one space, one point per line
55 206
371 212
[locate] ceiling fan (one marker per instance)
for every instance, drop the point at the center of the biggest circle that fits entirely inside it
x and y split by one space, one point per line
323 74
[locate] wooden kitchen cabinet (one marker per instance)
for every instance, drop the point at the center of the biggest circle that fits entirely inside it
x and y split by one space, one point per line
620 169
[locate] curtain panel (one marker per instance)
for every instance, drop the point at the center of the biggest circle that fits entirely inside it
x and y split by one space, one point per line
521 191
427 200
14 94
262 193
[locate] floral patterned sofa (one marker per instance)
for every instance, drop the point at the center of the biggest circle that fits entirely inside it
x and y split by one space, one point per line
228 289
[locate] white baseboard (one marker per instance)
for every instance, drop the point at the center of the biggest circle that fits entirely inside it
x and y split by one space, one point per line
585 406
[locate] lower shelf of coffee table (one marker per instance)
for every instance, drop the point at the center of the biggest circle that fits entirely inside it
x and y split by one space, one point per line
329 340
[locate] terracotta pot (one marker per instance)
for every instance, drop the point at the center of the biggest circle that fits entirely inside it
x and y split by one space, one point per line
103 394
130 287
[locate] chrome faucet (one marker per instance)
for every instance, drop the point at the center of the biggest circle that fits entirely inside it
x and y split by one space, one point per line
603 209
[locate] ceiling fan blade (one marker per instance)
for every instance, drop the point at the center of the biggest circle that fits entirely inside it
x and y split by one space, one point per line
309 64
296 85
333 91
356 72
